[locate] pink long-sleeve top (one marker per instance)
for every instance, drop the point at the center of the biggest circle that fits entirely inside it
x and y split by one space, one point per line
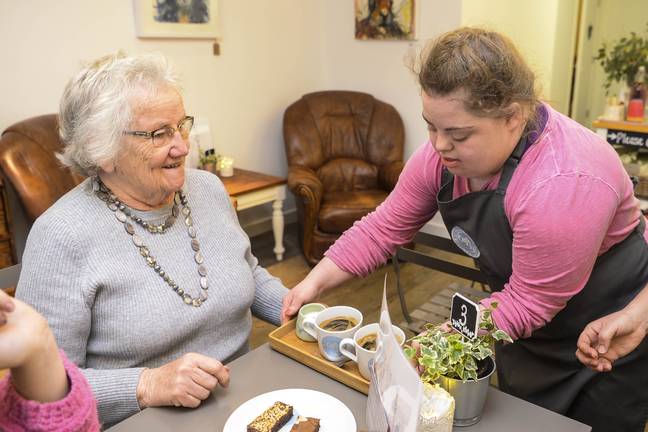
76 412
567 203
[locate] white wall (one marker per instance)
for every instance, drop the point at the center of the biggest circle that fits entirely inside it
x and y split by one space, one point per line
379 67
270 56
543 31
272 52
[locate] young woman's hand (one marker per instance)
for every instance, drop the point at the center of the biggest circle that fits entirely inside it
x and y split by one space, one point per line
304 292
325 275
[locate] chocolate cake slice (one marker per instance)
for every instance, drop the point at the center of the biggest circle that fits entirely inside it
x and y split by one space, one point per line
272 419
306 424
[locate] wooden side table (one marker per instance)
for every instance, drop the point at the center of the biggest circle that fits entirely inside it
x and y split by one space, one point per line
250 189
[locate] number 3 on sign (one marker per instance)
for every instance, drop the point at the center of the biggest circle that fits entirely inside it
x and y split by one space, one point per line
464 312
464 316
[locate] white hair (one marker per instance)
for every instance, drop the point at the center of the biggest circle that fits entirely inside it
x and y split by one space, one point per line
96 108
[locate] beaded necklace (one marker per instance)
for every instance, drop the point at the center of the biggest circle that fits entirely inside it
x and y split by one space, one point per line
180 207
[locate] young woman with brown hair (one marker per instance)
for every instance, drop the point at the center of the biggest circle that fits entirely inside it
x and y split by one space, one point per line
545 207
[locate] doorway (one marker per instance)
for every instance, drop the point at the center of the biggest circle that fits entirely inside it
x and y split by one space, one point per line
600 21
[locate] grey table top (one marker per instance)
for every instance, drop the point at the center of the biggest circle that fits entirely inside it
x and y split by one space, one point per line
264 370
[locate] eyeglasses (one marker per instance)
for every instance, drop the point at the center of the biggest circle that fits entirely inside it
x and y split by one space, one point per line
163 136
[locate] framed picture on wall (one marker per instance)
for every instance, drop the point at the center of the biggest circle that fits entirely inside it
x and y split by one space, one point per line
385 19
194 19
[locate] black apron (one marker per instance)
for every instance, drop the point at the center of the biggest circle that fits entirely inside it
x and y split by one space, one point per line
543 369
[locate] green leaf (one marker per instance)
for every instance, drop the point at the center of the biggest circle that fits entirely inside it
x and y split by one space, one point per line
500 335
409 352
472 375
456 354
471 364
483 352
427 362
459 370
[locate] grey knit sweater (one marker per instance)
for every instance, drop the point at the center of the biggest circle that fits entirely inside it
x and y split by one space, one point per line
113 315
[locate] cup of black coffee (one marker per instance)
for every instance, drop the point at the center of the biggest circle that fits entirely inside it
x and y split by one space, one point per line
362 347
339 324
332 325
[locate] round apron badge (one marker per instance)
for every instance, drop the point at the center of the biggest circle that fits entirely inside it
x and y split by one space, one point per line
464 242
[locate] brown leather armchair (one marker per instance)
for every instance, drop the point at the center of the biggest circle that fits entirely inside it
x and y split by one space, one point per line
28 162
345 153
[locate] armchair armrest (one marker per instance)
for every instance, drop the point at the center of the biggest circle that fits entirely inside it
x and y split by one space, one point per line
308 189
388 174
304 183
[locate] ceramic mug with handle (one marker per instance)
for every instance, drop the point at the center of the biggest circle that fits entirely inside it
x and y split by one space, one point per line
307 310
362 347
332 325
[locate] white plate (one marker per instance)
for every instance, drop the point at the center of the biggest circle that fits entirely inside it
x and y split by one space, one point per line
334 415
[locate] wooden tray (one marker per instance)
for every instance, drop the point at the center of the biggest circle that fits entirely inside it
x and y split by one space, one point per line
285 340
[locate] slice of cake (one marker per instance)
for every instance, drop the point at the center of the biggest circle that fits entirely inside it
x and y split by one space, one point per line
306 424
272 419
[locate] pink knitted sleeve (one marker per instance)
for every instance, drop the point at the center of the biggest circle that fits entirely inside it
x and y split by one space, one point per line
77 411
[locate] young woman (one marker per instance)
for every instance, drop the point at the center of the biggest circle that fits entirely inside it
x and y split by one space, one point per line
542 203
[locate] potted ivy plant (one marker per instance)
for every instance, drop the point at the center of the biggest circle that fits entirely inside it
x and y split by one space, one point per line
461 366
622 60
209 160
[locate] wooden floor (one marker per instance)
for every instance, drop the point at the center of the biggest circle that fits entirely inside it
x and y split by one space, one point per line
365 293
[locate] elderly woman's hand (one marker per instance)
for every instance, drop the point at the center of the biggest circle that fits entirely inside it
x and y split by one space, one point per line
183 382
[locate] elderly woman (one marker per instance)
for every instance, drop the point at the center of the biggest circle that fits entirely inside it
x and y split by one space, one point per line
143 271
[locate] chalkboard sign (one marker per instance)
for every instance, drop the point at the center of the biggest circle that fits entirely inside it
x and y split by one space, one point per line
464 316
627 138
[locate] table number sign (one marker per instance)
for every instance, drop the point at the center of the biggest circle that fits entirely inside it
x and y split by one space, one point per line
464 316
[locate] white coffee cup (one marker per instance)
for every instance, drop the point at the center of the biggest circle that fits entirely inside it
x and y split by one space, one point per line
329 341
351 348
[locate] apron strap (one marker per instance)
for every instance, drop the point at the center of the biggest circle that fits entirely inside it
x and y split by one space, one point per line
511 164
446 176
642 224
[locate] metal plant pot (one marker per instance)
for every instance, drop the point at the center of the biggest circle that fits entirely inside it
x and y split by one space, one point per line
211 167
469 396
